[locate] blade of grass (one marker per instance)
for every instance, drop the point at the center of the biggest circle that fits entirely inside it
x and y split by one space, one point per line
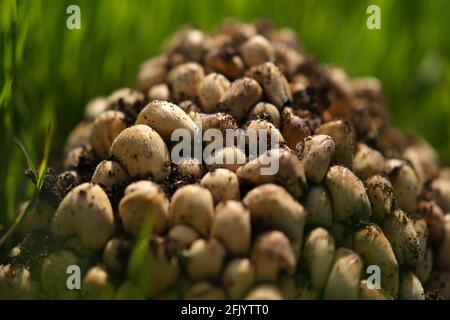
140 263
39 182
30 162
44 162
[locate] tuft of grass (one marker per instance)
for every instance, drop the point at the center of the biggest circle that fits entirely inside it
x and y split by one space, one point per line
140 264
39 181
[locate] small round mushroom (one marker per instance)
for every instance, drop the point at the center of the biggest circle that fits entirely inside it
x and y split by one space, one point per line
189 42
276 165
79 157
144 199
212 89
272 254
410 287
315 152
400 232
105 129
95 107
231 226
180 237
241 95
152 72
319 254
372 245
116 250
185 80
381 196
405 183
318 206
343 134
347 193
224 60
192 205
219 120
204 259
159 92
266 200
266 111
343 281
231 158
109 174
223 185
293 128
191 167
165 117
274 83
238 277
257 50
258 129
367 161
142 152
86 213
79 136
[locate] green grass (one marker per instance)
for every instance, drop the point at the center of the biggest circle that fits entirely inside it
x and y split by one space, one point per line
50 72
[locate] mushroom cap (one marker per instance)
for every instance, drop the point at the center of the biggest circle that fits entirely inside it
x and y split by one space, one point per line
142 151
86 213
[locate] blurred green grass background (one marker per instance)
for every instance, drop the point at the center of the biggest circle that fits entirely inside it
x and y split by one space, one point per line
50 72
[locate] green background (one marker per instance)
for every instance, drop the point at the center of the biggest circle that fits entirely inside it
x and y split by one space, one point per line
50 72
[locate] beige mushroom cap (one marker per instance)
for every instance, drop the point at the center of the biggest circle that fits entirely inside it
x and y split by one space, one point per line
86 213
142 152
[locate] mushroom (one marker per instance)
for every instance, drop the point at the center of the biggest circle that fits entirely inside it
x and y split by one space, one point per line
274 83
165 117
211 90
86 213
238 277
319 254
343 281
192 205
204 259
272 254
185 80
231 226
266 200
223 185
142 152
105 129
144 199
109 174
347 193
241 95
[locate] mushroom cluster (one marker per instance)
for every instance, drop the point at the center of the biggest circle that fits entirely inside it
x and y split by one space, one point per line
357 210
